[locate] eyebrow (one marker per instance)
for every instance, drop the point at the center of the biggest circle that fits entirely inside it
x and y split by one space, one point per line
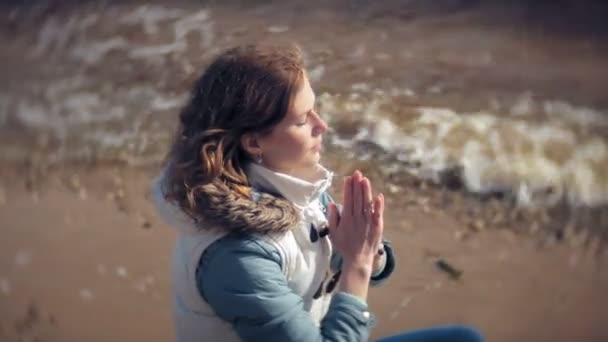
303 116
309 110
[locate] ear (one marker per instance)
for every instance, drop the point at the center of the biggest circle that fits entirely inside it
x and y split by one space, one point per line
250 142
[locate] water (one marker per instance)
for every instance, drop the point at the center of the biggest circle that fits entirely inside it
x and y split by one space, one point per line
537 161
89 84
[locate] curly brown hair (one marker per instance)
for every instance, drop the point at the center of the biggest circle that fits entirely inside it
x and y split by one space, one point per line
246 89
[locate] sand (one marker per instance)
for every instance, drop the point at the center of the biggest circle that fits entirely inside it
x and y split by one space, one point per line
84 258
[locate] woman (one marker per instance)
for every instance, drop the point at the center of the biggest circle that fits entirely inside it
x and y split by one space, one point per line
262 254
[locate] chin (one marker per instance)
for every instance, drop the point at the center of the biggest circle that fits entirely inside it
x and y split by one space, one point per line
314 161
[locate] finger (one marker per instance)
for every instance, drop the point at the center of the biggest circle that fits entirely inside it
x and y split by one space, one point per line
357 195
379 204
367 193
378 220
347 198
368 206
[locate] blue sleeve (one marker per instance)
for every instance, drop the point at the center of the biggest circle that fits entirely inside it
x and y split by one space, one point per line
242 280
379 277
389 266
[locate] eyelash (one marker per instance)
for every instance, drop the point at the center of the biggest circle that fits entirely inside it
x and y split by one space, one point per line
300 124
304 122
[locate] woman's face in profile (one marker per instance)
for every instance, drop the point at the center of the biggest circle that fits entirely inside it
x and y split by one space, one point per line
294 145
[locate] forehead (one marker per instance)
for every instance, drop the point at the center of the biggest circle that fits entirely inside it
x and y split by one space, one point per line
304 99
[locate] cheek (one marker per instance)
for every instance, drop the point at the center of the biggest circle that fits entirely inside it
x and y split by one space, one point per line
290 147
293 149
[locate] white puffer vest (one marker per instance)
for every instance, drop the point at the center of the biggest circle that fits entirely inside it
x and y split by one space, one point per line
304 263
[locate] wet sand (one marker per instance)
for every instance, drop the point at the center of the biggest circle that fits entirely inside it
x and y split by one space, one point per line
83 258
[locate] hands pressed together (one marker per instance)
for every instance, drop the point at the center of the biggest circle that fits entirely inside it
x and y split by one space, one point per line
356 233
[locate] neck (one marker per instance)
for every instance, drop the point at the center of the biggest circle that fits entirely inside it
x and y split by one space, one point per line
293 187
309 174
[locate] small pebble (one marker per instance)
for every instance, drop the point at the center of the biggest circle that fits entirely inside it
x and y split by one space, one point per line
277 29
110 196
478 225
28 320
422 200
5 286
404 302
534 227
140 286
23 258
82 194
406 226
143 221
52 319
393 189
120 193
68 220
75 181
117 179
498 218
573 261
460 235
86 294
436 89
2 196
121 271
101 269
381 56
446 267
33 314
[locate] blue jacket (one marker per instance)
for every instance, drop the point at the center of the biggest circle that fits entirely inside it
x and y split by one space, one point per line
241 278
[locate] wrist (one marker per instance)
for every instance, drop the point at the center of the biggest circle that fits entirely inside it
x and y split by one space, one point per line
362 267
355 279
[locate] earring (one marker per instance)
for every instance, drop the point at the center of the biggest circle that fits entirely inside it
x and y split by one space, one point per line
258 159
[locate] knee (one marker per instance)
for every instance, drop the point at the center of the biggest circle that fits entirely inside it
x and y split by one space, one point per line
463 333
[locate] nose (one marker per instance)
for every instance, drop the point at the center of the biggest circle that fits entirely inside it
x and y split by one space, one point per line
320 125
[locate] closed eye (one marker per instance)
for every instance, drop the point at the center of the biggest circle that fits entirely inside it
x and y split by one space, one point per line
304 120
